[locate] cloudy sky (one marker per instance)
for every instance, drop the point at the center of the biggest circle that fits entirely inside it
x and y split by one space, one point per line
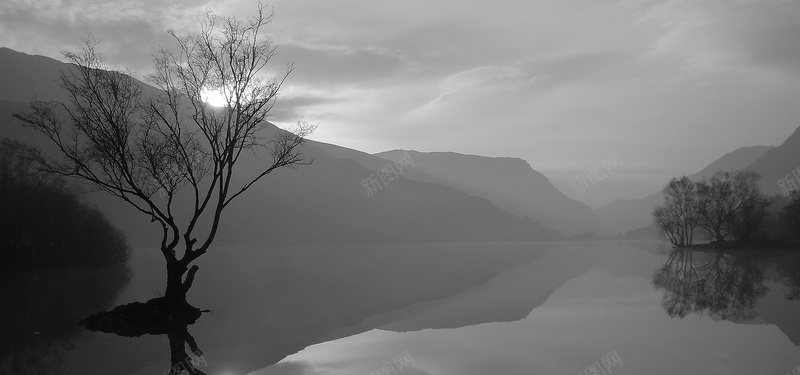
669 86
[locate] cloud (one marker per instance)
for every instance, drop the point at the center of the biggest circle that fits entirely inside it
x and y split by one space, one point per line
325 64
713 36
298 103
769 36
129 32
484 78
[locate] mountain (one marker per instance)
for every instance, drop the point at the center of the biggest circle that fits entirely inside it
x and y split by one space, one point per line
25 76
509 183
738 159
321 203
628 214
329 204
779 163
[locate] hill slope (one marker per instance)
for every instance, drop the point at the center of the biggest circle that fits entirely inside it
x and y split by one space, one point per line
509 183
778 163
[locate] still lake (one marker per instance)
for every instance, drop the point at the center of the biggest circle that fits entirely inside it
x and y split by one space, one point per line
519 308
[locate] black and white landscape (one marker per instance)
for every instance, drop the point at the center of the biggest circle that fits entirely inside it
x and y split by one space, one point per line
424 188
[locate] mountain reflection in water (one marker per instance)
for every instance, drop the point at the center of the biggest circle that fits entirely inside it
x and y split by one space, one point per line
609 310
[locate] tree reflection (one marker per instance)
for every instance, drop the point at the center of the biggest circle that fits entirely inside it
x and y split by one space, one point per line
155 317
724 286
789 272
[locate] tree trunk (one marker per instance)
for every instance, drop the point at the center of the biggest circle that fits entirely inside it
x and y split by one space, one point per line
176 292
718 234
177 285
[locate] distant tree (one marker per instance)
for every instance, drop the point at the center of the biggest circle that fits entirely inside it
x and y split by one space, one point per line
730 203
147 150
790 217
677 217
43 223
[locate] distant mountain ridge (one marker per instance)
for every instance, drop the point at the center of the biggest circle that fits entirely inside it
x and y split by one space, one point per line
509 183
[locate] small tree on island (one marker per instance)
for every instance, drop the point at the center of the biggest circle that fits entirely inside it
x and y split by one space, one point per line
145 149
727 204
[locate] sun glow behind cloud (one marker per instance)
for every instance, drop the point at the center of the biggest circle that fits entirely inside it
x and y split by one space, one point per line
214 97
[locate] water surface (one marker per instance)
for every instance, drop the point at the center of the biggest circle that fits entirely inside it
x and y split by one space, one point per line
527 308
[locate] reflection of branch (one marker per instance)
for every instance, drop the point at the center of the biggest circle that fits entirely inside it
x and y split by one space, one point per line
180 360
723 286
789 270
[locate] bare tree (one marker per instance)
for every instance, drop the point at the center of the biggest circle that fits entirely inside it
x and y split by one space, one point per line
677 217
731 201
748 222
149 149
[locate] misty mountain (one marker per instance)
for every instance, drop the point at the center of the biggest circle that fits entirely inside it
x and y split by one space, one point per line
24 76
738 159
327 203
509 183
624 215
321 203
778 164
